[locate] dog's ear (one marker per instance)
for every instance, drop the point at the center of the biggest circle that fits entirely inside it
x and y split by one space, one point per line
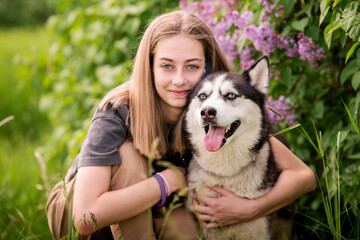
259 74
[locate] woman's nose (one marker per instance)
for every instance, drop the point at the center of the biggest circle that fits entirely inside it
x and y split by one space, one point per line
179 78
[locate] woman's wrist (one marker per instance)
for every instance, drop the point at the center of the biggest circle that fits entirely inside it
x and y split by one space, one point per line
259 207
172 178
166 182
254 209
160 180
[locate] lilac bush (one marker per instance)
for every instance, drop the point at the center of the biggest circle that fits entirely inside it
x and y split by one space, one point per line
240 39
230 27
282 105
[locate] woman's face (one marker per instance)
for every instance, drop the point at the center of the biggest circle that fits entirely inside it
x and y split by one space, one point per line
179 63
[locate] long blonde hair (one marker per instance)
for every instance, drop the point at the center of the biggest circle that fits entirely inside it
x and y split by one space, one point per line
147 120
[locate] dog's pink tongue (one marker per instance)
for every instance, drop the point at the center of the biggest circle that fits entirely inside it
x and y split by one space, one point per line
214 138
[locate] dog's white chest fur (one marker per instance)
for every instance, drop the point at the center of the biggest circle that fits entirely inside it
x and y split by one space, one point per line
245 183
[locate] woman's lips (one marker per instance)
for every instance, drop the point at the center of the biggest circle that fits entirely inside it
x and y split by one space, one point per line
179 93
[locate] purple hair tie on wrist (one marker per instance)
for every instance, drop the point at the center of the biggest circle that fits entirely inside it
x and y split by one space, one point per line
162 188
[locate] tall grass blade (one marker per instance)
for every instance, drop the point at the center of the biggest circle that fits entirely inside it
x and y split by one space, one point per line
332 206
276 112
319 141
287 129
351 118
6 120
307 137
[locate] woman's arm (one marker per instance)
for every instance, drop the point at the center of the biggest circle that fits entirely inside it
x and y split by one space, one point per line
295 180
92 195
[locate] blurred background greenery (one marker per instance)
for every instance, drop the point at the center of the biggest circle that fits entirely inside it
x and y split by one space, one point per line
59 58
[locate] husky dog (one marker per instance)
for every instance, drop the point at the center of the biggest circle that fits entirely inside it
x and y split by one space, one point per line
228 131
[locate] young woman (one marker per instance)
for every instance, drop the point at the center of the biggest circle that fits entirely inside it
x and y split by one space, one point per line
109 178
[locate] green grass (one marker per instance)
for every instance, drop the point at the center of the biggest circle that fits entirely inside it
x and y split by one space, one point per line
20 89
22 192
22 195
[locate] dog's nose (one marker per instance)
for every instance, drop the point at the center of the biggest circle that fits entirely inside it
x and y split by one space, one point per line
208 113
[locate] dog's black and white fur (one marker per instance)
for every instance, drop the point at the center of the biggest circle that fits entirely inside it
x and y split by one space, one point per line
228 130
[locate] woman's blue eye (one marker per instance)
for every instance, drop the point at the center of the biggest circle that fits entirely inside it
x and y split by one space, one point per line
231 96
202 96
192 67
166 66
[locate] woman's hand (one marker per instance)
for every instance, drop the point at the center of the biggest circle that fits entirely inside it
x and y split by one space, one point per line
224 210
176 178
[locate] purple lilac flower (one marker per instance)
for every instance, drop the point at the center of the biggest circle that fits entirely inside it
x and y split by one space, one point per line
264 40
246 58
269 10
246 64
283 42
228 47
282 106
246 54
242 21
309 50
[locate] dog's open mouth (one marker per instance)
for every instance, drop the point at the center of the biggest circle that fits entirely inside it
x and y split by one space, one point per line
216 136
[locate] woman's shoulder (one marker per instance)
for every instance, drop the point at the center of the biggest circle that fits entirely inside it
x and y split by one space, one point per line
119 111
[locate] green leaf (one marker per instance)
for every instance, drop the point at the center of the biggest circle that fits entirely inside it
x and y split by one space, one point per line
350 10
286 30
307 9
324 8
346 23
351 51
327 37
329 31
318 110
241 43
355 81
323 5
335 3
354 33
313 32
354 156
288 5
343 39
336 25
357 101
349 70
358 57
286 75
300 24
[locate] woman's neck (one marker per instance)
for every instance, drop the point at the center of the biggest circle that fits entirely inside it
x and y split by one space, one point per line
171 114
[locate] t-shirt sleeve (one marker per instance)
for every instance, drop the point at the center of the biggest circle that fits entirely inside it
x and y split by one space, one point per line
107 132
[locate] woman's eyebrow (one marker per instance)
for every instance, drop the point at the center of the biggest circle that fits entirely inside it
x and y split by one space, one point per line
187 60
193 59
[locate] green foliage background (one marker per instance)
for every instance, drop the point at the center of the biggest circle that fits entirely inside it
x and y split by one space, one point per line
92 46
25 13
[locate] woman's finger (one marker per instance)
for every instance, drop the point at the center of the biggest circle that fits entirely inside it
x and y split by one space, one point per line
221 191
201 208
204 217
210 224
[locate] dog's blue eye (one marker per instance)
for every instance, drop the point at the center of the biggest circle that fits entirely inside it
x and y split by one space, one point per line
231 96
202 96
